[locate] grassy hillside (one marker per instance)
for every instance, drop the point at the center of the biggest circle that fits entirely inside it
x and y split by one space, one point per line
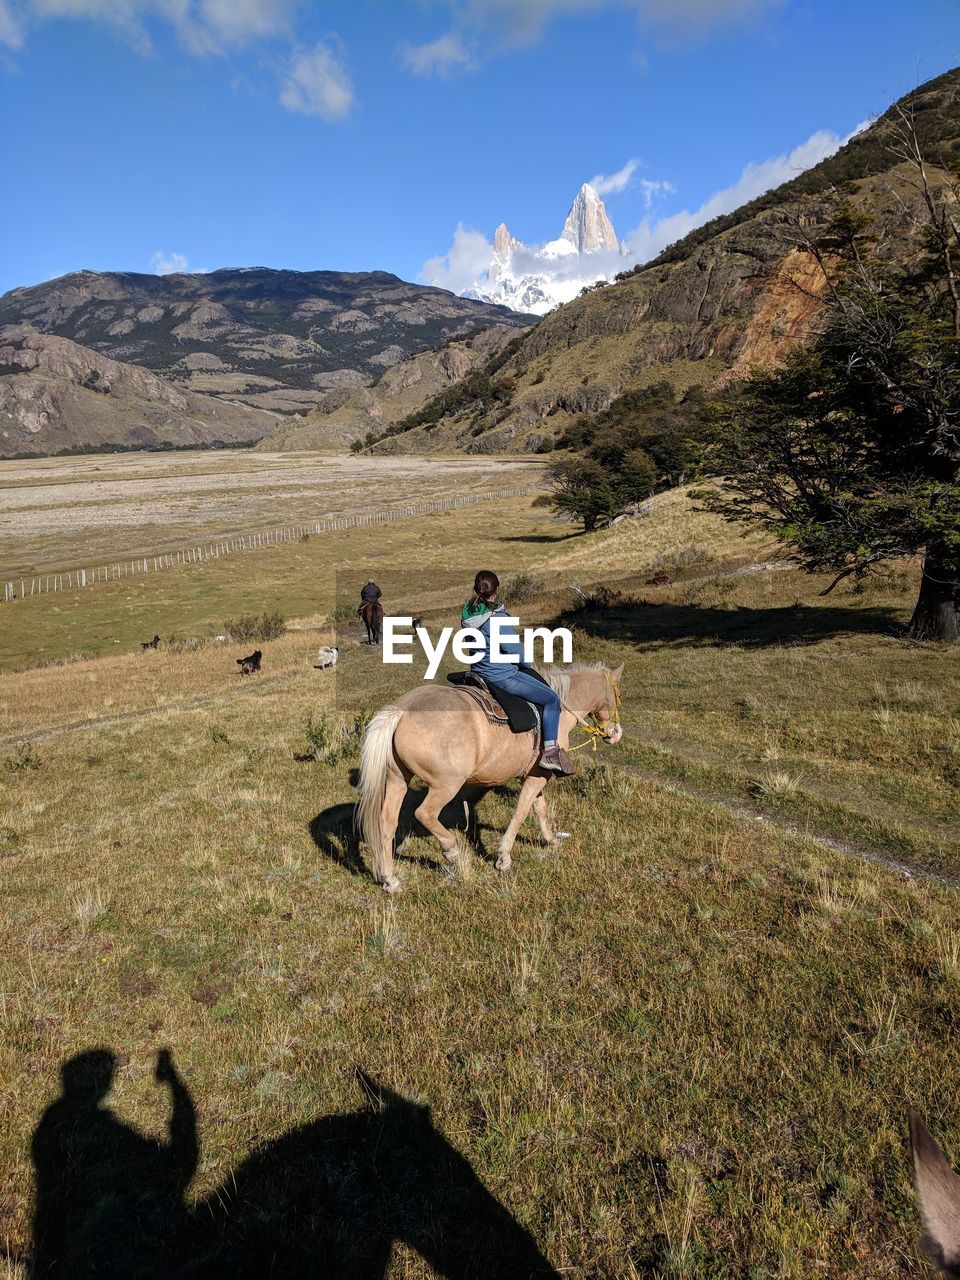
351 415
733 294
680 1043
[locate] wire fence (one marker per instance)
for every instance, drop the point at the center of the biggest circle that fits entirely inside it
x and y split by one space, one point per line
24 587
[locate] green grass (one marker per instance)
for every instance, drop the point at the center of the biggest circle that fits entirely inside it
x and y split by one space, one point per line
677 1045
813 709
681 1043
296 579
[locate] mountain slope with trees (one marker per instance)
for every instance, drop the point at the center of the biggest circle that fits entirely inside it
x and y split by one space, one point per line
737 293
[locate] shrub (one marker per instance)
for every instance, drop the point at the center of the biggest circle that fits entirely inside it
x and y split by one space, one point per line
252 626
522 586
332 739
23 758
178 643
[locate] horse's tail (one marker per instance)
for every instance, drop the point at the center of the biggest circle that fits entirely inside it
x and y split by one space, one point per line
375 755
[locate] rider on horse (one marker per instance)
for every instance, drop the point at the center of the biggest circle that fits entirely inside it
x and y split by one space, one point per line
512 676
370 594
371 611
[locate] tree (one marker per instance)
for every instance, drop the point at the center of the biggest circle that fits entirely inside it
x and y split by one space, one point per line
643 442
850 454
584 489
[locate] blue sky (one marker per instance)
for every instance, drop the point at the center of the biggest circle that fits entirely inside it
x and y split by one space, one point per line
354 136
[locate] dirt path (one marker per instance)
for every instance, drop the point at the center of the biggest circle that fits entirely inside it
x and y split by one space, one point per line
747 813
145 713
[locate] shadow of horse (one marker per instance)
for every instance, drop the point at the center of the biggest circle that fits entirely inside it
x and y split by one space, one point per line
335 836
327 1199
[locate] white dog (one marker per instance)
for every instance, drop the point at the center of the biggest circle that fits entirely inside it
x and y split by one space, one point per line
326 657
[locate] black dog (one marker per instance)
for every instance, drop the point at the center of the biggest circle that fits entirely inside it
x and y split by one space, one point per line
151 644
250 663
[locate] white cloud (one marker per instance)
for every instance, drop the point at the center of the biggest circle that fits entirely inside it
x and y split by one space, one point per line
167 264
693 18
318 84
651 236
464 262
442 57
237 21
520 22
11 32
614 183
204 26
652 189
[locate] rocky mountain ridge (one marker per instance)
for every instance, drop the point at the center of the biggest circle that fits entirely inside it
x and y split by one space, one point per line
57 395
275 340
350 414
537 279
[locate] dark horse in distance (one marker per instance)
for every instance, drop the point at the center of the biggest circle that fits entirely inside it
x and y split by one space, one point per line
372 614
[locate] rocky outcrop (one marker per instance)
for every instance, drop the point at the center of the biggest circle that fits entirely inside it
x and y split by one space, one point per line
56 395
277 340
587 226
536 278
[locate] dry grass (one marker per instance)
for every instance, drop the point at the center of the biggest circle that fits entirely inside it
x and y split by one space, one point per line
679 1044
297 579
61 513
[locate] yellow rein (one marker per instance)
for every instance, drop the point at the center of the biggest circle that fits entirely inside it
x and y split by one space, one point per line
594 730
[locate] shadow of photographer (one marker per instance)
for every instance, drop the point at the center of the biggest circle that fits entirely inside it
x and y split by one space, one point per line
328 1199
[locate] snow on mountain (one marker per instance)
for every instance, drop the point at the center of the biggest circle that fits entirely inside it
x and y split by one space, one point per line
587 226
537 279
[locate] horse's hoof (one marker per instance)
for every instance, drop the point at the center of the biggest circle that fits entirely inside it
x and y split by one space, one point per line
452 856
504 862
391 886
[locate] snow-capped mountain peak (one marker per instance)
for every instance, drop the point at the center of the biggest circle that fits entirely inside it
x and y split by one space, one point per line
536 279
503 241
587 226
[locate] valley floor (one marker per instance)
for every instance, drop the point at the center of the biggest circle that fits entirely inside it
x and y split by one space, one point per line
679 1044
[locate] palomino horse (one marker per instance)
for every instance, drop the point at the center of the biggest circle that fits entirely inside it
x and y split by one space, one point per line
442 735
372 615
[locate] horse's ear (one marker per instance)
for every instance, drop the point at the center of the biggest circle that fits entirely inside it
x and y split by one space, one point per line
616 675
382 1098
938 1190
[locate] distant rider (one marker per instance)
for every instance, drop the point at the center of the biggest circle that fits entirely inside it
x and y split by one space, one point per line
511 676
369 594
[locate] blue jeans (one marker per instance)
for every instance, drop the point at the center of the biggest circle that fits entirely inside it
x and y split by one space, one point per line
529 687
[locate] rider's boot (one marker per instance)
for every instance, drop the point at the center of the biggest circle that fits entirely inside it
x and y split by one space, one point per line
556 760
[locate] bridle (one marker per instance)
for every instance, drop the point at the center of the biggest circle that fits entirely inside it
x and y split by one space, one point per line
593 727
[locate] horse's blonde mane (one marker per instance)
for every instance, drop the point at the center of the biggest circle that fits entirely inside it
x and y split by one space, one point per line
558 678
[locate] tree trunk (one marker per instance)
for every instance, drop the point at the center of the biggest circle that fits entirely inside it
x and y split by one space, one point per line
937 613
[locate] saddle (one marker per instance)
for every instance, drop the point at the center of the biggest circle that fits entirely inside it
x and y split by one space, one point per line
499 706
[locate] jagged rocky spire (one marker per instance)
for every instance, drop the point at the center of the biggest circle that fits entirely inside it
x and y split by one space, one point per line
502 241
587 226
